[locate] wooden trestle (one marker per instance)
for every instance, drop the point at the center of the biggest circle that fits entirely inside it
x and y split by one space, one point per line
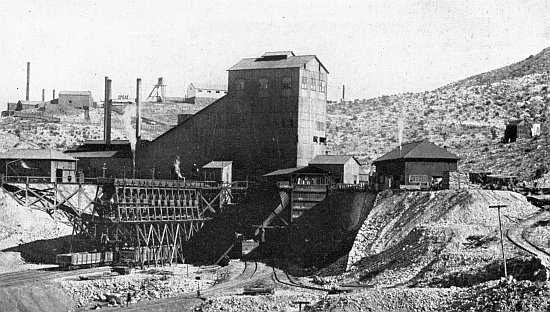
152 214
154 217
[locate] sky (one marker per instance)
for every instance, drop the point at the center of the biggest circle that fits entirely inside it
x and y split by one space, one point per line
374 48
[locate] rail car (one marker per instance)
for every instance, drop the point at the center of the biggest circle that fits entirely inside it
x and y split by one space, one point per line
145 255
84 259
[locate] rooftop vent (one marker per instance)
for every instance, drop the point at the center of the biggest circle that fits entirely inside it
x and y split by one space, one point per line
275 56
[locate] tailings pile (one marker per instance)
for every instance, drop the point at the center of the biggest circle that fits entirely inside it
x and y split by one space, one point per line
438 239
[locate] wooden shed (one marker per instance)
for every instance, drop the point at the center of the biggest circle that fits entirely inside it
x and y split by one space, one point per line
344 168
516 130
219 171
49 165
415 165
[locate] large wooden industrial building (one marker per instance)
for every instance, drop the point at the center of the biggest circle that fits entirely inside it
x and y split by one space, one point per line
273 117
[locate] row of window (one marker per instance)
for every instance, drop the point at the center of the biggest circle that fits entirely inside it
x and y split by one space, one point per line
210 91
313 84
286 84
320 140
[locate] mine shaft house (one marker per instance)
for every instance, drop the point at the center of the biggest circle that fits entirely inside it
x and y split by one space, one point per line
415 165
272 117
48 165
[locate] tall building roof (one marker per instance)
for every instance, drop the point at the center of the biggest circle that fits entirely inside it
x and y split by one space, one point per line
331 159
86 93
36 154
284 59
418 150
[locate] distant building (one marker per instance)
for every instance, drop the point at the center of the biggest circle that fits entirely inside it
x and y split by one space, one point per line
76 99
51 165
204 94
418 164
219 171
519 129
344 168
26 105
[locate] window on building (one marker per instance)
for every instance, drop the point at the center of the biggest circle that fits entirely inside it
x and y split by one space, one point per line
239 84
217 91
209 91
320 126
315 139
199 90
304 82
287 83
323 140
418 179
313 84
262 83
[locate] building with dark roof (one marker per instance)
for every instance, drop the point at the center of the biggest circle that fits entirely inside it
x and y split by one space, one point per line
273 116
51 165
416 164
204 94
76 99
344 168
97 159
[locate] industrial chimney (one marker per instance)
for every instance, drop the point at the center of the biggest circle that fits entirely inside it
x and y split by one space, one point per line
53 94
138 110
28 80
43 95
343 93
107 113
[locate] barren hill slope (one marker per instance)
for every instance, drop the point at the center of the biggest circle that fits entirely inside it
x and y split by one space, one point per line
468 117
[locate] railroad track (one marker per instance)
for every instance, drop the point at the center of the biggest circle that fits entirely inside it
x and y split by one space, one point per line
33 276
288 280
517 235
248 271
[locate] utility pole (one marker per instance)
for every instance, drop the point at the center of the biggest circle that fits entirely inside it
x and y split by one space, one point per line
501 237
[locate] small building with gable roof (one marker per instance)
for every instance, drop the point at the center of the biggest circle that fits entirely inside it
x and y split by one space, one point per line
48 164
76 99
417 164
343 168
204 94
219 171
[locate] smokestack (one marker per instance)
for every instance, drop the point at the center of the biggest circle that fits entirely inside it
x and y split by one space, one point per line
107 113
28 79
343 93
53 94
43 95
138 110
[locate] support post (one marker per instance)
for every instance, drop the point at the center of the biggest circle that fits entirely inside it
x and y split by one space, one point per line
501 237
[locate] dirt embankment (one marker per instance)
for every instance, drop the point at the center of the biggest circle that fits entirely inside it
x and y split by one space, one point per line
442 238
28 237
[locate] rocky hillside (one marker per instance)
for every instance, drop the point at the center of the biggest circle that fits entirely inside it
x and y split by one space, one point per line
467 116
441 239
